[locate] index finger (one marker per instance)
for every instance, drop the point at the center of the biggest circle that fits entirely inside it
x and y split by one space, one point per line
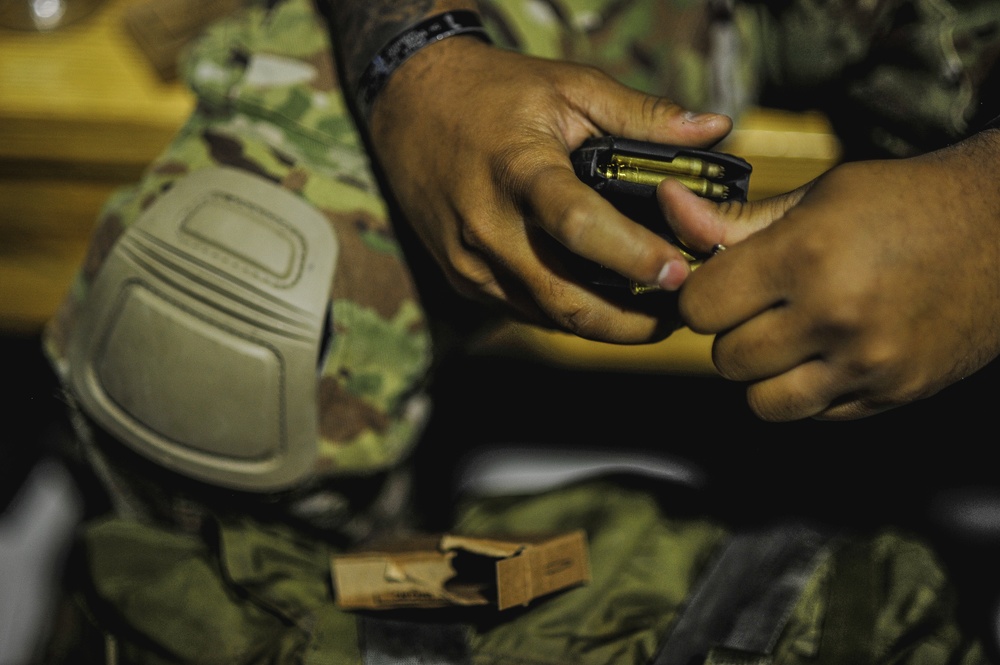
731 287
591 227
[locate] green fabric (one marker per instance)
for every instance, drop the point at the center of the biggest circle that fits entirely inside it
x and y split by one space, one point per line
643 564
896 77
167 589
247 592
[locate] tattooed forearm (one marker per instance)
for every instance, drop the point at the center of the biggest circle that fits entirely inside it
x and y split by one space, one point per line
359 28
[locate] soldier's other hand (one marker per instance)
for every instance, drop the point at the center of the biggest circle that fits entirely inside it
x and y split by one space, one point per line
875 285
474 142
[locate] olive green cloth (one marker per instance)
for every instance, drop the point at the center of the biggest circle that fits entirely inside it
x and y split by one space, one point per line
246 592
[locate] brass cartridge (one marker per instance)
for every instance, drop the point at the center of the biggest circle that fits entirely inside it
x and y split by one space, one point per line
700 186
680 165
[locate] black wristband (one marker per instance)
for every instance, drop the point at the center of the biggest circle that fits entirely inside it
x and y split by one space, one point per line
402 46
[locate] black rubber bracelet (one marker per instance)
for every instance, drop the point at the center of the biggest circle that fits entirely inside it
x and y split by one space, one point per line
402 46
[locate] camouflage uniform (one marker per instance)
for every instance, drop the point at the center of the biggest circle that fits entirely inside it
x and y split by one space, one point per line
184 573
896 77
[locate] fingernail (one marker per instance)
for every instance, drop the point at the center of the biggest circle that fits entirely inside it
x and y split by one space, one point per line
672 275
699 118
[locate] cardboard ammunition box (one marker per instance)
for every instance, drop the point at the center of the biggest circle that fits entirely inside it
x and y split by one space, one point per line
451 570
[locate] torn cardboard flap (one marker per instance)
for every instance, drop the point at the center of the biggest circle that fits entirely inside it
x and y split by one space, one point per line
438 571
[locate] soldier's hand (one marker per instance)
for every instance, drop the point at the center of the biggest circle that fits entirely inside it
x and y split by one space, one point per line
876 285
474 142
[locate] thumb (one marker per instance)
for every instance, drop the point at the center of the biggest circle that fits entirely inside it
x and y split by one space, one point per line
701 223
634 114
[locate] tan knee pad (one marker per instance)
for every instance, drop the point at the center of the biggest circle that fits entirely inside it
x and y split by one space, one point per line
201 344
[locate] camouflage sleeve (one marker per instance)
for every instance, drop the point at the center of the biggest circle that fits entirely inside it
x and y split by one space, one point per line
896 77
359 28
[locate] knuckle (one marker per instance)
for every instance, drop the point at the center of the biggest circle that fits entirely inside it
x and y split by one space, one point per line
569 312
688 308
466 272
728 367
810 249
656 108
844 320
590 74
573 224
514 167
771 410
872 358
699 309
570 315
473 238
466 281
578 322
886 367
